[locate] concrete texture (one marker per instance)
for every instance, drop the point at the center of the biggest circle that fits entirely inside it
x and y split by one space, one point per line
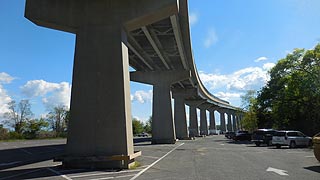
212 120
180 118
222 120
229 125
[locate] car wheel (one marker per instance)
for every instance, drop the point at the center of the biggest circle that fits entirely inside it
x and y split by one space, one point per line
257 144
278 146
292 144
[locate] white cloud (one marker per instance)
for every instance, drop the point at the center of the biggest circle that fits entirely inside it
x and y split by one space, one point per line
268 66
52 94
193 18
238 82
5 78
227 96
142 96
4 97
261 59
211 38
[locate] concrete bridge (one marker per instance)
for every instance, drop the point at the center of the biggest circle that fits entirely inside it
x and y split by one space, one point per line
151 36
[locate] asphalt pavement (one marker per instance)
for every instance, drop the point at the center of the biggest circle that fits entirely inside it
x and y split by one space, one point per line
207 158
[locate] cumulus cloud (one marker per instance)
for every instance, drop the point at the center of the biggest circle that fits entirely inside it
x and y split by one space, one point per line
193 18
228 96
52 94
142 96
211 38
261 59
4 97
239 81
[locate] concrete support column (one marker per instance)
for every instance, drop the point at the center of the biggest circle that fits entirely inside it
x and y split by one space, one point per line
193 121
163 128
234 122
212 125
203 119
222 121
180 118
229 125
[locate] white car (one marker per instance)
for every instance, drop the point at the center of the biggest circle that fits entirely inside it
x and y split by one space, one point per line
291 139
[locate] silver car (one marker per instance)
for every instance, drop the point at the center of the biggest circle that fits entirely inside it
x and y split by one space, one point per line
291 139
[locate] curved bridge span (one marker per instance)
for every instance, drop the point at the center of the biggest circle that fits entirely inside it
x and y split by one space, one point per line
151 36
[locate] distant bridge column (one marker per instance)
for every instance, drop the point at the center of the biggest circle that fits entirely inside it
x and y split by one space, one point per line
100 129
212 125
234 122
163 130
222 120
180 119
203 119
229 125
193 118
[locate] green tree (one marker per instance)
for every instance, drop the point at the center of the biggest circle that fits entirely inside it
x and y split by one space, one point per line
249 104
148 126
33 127
137 126
4 133
18 115
58 119
291 99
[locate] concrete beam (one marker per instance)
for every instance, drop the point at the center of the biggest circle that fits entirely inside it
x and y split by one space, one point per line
159 77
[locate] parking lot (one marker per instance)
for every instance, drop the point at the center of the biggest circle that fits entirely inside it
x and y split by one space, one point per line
211 157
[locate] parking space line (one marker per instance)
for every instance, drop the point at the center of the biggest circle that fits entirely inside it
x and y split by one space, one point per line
103 173
152 157
116 177
58 173
144 170
23 150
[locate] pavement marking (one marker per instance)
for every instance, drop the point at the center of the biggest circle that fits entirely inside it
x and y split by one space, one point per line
278 171
309 156
113 177
10 163
58 173
17 175
144 170
152 157
222 144
103 173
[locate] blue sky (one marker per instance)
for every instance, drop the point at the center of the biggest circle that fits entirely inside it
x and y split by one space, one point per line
234 43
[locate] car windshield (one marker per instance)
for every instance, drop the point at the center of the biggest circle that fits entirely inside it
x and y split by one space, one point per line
280 134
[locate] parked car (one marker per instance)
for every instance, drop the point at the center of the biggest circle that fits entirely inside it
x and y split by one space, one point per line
291 139
242 136
263 136
143 134
229 134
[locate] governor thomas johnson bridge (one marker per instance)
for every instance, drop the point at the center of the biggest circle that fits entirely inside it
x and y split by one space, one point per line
151 36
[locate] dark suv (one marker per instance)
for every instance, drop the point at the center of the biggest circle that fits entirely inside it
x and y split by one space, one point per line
263 136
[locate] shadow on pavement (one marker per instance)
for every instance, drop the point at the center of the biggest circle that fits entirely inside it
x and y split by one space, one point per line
313 168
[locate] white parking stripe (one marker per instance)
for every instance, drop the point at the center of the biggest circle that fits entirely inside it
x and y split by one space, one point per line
58 173
104 173
116 177
144 170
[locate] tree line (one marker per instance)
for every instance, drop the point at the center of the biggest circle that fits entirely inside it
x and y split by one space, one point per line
22 125
290 100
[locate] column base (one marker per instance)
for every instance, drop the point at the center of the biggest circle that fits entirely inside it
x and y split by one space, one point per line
99 162
163 141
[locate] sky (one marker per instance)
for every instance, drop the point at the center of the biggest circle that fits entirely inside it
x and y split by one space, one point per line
234 44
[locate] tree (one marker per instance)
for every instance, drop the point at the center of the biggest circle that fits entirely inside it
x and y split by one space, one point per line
137 126
33 127
148 126
18 115
291 98
249 121
58 118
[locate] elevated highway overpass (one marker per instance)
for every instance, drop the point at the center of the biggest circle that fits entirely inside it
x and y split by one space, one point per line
151 36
